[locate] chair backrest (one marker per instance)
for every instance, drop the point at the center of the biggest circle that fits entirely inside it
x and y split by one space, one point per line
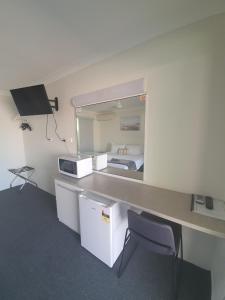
155 236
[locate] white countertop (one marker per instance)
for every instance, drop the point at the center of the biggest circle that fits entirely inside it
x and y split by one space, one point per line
171 205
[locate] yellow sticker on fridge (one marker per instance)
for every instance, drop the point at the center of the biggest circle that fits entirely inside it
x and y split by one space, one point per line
105 217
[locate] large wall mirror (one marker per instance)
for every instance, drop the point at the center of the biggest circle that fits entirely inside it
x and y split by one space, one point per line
118 129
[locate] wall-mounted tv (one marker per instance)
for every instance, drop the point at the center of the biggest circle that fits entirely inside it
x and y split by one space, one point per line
32 100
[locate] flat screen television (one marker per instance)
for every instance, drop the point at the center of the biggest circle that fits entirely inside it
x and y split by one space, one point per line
31 100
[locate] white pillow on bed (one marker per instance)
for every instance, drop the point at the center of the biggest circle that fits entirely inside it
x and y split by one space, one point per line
115 147
134 149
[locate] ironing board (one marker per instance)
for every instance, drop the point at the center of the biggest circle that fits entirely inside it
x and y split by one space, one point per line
25 173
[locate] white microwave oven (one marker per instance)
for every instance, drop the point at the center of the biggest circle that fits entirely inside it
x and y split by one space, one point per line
75 166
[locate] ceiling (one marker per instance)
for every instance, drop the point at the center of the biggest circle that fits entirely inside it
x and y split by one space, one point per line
46 39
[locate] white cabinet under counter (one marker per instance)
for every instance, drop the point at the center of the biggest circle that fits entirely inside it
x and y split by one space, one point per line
67 203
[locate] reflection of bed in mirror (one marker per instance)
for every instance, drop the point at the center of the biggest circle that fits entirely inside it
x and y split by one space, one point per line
126 157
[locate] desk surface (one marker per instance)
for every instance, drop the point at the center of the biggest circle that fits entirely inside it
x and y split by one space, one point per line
171 205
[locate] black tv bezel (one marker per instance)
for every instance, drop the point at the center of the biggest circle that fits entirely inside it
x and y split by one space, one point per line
48 107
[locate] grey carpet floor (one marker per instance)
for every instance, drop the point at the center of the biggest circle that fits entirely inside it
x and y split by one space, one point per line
41 259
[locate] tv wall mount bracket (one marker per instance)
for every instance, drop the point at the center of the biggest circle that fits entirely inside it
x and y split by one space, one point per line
55 103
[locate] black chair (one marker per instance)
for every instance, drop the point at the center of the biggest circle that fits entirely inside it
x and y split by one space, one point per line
157 235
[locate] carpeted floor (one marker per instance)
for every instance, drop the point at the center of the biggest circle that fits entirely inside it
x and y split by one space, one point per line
41 259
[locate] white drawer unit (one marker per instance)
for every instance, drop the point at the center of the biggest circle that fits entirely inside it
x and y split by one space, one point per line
67 203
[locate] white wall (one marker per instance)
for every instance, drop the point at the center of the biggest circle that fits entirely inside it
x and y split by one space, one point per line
86 135
199 248
185 119
42 154
11 137
109 132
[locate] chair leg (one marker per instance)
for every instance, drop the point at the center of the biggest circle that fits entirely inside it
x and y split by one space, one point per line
176 269
127 235
179 264
174 277
181 257
181 248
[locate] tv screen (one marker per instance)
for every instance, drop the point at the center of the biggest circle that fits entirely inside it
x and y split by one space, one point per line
32 100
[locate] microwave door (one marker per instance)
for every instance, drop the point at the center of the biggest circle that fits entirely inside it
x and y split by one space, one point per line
67 166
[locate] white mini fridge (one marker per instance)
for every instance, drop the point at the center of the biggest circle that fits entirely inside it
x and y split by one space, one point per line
103 223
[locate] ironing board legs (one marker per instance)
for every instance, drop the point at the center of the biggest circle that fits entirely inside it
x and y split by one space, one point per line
13 181
25 178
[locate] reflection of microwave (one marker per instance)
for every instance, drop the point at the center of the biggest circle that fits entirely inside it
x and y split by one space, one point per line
75 166
99 160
